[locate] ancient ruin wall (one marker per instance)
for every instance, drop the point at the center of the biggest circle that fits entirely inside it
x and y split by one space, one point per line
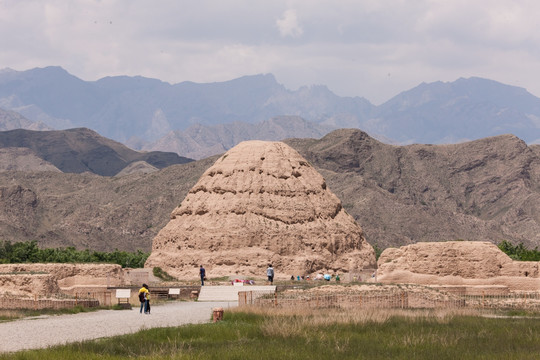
456 263
71 275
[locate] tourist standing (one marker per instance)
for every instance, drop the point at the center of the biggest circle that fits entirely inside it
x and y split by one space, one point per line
143 298
270 274
202 273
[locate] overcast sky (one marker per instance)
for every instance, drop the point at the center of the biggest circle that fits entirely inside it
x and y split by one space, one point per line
369 48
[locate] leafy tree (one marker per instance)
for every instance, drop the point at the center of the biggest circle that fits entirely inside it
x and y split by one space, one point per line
519 252
378 251
29 252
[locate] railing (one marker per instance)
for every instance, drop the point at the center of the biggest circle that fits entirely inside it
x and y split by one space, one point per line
86 298
45 303
391 299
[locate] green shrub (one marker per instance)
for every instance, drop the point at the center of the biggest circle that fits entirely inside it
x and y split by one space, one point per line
29 252
519 252
163 275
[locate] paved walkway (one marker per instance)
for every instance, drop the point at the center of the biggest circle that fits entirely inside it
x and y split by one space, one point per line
230 293
44 331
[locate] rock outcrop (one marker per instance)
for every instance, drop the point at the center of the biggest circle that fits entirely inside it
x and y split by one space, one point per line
260 203
456 263
25 285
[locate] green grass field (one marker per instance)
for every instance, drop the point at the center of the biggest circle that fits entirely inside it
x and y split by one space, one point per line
321 334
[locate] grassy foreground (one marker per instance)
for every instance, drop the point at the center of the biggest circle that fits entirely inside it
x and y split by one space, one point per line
325 334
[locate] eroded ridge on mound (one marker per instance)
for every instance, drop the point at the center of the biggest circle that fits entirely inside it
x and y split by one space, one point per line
260 202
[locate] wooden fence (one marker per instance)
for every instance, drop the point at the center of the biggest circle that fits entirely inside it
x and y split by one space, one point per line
393 299
41 303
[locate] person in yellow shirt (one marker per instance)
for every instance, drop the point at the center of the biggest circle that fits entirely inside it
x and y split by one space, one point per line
144 296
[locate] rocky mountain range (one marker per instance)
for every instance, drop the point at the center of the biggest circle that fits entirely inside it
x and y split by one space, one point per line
76 151
10 120
199 141
124 108
486 189
151 114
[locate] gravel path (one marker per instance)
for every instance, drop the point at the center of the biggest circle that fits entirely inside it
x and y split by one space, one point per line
44 331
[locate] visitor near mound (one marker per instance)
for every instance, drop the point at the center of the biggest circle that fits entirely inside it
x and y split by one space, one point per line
202 274
261 203
270 274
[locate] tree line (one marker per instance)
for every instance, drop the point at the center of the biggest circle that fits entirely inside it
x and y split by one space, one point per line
519 252
29 252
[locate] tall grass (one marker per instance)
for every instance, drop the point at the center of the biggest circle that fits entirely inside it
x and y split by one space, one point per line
320 334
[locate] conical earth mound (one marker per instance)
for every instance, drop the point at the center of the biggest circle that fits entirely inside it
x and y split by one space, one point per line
260 203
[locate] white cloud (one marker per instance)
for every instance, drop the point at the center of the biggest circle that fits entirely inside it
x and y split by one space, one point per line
369 48
288 24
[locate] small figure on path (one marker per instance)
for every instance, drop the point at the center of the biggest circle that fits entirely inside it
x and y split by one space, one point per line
270 274
337 278
202 273
143 298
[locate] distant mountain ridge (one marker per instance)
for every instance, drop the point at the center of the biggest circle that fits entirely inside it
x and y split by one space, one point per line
82 150
10 120
124 107
199 141
148 112
463 110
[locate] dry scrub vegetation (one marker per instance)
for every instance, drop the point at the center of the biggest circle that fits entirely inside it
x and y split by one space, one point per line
284 322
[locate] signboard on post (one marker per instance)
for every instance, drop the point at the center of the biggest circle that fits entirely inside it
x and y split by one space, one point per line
123 293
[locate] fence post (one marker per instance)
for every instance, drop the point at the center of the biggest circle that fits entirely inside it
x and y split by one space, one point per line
483 300
275 298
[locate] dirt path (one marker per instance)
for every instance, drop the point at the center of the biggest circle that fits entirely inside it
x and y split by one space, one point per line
44 331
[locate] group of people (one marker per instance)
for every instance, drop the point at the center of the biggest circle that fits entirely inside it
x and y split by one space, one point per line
300 278
326 277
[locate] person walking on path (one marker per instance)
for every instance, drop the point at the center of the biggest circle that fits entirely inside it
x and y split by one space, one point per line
270 274
144 295
202 273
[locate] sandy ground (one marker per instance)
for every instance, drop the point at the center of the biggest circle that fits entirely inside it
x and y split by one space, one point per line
44 331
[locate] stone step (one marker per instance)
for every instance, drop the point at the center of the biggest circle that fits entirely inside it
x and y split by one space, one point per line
229 292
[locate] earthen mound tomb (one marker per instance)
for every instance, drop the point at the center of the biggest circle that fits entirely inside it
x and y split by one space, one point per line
457 263
260 203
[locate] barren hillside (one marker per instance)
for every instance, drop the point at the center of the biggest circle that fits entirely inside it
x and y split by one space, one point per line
482 190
